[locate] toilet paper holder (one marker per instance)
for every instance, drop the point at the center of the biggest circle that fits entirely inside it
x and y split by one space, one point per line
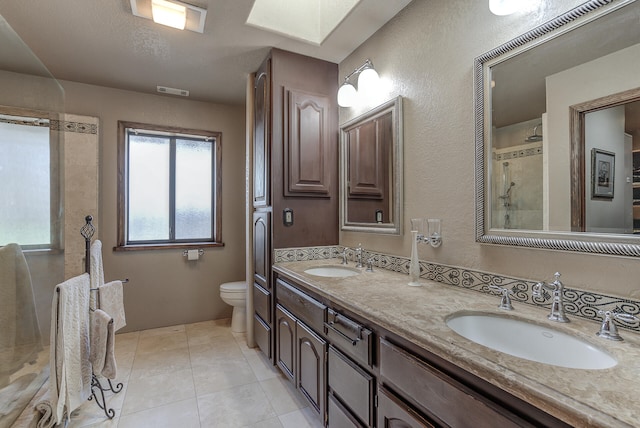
185 253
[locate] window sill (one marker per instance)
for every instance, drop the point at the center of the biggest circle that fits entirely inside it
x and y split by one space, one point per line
181 246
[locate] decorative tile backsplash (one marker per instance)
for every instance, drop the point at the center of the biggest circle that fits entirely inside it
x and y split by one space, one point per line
579 303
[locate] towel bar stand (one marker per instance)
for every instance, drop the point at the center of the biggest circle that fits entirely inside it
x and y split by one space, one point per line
87 232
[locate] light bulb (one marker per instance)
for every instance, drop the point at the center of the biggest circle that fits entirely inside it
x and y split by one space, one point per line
347 95
368 81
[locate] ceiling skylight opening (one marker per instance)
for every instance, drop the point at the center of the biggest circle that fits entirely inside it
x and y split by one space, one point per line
311 21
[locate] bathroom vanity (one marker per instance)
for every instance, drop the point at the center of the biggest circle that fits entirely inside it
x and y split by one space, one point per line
368 350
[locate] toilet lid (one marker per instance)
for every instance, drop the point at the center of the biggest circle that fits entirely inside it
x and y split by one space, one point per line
234 286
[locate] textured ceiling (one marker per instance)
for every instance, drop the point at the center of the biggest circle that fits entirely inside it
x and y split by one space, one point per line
100 42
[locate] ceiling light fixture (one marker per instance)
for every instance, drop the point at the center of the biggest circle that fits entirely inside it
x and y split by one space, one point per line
173 13
368 81
168 13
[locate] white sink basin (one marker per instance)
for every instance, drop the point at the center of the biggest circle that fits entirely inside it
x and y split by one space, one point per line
332 271
530 341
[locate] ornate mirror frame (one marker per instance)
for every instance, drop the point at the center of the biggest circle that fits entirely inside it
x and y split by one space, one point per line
394 227
567 241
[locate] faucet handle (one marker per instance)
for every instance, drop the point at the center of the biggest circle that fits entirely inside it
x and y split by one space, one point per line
505 302
344 257
608 329
370 264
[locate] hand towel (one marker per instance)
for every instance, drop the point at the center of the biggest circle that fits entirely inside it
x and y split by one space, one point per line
70 377
112 302
20 339
100 321
96 270
110 369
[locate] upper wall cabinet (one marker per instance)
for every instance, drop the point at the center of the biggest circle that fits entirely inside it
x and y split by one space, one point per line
307 144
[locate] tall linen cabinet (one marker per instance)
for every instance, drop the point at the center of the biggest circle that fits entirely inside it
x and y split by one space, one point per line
295 169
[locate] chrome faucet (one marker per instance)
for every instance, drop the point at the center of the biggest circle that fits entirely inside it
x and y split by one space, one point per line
557 306
608 329
344 257
359 256
505 301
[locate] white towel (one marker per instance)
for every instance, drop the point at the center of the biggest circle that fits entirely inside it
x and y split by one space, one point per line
20 339
70 377
96 270
110 369
100 321
112 302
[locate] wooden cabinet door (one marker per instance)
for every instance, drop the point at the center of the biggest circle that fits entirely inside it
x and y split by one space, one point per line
311 368
393 413
262 135
285 326
262 248
308 153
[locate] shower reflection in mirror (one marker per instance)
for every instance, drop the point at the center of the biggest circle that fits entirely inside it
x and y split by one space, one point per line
517 167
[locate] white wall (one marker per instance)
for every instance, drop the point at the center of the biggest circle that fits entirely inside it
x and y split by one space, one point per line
608 75
604 130
426 55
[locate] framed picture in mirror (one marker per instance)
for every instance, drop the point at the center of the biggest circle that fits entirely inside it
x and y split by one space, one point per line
602 174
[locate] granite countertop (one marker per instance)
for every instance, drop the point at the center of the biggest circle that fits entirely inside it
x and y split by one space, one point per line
582 398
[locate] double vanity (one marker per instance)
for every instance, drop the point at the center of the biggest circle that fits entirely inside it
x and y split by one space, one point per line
367 349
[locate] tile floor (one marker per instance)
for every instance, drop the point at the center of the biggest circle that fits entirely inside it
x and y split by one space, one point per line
196 375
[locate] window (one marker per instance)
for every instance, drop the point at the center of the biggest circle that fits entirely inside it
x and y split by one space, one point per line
169 189
28 181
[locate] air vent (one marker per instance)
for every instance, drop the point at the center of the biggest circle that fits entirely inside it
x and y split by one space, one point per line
173 91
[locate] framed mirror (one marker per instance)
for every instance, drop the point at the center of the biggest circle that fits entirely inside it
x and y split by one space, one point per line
558 134
371 171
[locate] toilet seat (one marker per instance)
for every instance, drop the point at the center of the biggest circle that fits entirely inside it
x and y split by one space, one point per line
234 287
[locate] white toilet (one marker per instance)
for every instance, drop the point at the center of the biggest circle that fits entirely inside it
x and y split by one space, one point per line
235 294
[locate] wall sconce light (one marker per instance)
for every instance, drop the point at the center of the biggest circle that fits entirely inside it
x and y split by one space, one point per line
172 13
368 81
433 235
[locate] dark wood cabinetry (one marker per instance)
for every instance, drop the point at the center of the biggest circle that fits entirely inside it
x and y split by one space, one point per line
358 374
301 353
295 166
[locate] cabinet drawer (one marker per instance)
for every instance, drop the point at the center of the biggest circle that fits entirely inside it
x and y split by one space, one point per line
393 413
301 305
339 417
438 394
261 302
350 337
352 385
262 334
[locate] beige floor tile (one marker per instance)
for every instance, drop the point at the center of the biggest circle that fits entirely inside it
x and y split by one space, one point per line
261 366
162 330
283 396
220 374
238 407
212 340
155 363
127 342
153 391
203 354
303 418
220 327
162 342
269 423
183 414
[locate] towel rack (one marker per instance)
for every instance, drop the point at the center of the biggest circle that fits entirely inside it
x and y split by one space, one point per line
87 231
